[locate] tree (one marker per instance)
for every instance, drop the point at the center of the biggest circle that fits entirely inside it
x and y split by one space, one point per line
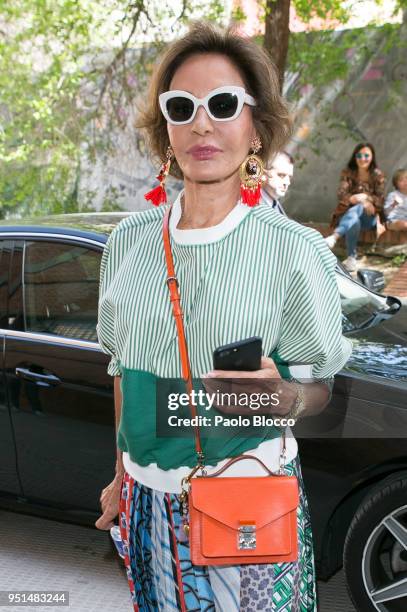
70 73
277 32
277 24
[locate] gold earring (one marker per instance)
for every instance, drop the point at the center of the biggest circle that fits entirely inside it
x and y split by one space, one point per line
251 175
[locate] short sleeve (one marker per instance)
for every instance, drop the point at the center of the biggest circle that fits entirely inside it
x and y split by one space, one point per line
106 313
311 332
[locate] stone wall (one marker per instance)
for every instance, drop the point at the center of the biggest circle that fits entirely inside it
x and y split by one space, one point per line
373 106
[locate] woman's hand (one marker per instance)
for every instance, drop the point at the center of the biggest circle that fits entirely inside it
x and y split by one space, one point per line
360 198
109 501
369 209
267 380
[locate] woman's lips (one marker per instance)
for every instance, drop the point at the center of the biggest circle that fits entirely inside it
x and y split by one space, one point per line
203 152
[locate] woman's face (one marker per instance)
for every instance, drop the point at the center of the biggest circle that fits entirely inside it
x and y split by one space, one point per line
364 158
207 150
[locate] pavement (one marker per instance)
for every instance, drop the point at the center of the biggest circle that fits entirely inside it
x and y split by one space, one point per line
398 283
40 554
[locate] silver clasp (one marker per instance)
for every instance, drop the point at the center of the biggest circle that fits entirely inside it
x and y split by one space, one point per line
246 537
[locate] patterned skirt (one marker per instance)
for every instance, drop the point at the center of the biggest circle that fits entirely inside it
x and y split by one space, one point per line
162 578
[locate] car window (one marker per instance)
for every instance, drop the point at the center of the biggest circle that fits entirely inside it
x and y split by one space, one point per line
61 284
5 249
359 304
11 298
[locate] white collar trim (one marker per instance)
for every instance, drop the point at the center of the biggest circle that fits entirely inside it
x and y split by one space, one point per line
205 235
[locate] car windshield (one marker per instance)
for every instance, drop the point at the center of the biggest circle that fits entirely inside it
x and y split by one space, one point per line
359 304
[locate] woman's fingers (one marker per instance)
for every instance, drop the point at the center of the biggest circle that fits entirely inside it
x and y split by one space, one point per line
109 502
105 495
105 522
267 363
266 380
110 509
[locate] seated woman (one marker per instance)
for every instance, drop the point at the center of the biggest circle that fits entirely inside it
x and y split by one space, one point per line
360 201
395 207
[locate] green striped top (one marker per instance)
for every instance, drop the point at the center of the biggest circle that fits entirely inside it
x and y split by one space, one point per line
268 276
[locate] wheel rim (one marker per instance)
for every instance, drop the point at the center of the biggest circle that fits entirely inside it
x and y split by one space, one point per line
384 563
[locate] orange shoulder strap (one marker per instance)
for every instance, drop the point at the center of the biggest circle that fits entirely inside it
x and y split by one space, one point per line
172 283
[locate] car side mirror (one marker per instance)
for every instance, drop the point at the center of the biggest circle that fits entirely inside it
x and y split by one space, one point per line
372 279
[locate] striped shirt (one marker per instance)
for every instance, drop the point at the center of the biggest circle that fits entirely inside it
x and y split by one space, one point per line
256 273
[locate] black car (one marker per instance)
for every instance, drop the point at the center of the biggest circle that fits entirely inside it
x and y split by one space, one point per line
57 440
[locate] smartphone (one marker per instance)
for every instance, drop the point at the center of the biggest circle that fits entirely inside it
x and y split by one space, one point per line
242 355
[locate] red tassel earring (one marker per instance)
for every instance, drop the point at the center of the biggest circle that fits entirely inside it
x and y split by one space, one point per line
158 195
252 175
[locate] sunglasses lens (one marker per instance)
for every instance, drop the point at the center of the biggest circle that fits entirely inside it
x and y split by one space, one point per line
180 109
223 105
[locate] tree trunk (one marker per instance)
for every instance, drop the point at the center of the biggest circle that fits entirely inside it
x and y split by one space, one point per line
277 33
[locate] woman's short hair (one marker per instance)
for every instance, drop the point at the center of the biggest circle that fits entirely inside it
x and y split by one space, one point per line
352 165
397 176
270 116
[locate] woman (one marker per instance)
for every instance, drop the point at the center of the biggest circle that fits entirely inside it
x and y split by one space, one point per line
243 270
360 201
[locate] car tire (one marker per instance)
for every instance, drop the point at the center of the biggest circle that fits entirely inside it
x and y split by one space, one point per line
374 558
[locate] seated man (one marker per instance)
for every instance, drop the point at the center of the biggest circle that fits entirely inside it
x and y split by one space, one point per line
279 176
395 206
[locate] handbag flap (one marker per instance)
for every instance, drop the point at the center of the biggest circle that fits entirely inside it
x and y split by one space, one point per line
233 501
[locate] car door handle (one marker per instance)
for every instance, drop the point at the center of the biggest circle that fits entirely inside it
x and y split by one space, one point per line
45 380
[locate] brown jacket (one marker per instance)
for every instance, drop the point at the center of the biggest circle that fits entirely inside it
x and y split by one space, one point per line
349 185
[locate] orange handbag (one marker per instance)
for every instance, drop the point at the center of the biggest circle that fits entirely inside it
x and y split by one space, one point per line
232 520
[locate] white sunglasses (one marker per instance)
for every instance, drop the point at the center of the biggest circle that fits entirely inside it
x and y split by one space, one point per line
221 104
